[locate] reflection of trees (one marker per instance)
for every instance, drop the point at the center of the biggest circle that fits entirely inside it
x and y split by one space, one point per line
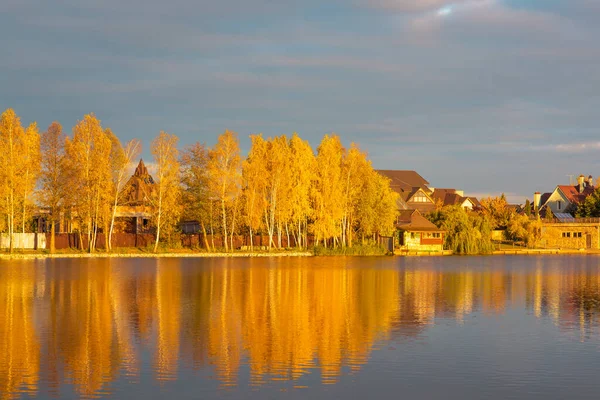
283 318
19 345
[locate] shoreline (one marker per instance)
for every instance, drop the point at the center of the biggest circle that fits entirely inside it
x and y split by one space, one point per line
445 253
32 256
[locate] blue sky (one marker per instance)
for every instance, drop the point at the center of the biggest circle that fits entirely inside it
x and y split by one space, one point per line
488 96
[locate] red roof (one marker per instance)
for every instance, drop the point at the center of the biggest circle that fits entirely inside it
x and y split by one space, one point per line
572 193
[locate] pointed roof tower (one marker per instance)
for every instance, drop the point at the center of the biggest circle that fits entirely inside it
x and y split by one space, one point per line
141 169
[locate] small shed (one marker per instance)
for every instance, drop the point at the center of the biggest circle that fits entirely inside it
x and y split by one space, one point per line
418 233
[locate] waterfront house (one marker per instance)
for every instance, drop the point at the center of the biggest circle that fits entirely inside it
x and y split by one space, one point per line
452 197
565 198
413 189
135 209
417 233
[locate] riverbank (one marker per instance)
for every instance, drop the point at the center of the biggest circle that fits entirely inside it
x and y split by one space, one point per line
31 256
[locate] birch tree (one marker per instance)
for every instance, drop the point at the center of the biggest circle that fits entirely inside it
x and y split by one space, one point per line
166 194
328 190
29 169
52 182
11 142
225 178
302 169
120 161
254 184
88 159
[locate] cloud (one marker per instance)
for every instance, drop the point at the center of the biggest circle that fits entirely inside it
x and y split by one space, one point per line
576 147
415 5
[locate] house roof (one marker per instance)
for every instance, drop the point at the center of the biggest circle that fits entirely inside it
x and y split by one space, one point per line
404 180
572 193
139 187
412 220
449 197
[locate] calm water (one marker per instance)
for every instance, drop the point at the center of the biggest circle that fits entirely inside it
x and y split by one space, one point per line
427 328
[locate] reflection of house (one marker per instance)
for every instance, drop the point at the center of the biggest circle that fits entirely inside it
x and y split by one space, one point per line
418 233
134 212
565 197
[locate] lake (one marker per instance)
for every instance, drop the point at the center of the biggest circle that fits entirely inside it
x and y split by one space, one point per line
497 327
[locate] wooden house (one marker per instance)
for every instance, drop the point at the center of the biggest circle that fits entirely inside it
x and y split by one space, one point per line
417 233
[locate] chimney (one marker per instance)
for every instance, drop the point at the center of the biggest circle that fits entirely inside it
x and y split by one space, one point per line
537 199
581 183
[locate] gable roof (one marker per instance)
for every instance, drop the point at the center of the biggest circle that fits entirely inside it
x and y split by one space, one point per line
404 180
572 194
412 220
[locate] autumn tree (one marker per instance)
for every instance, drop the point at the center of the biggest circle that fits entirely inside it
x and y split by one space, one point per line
121 158
224 179
195 179
355 170
52 182
522 228
496 208
12 138
90 184
29 170
166 196
328 190
302 169
254 180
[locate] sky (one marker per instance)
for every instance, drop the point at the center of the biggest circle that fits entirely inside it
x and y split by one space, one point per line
487 96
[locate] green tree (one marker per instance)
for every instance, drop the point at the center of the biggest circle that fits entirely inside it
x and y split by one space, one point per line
527 208
194 178
590 207
466 232
549 214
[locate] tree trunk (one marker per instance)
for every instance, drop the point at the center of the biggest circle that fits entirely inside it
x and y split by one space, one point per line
224 224
251 240
206 245
52 237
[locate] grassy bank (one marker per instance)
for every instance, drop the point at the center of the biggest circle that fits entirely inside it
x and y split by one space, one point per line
357 250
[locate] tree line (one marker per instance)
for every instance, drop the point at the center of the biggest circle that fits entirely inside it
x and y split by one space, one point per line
282 188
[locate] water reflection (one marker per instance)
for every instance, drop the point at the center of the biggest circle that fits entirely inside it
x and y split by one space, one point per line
83 325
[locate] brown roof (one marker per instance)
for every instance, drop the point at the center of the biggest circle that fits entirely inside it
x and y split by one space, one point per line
440 194
404 180
139 187
449 197
544 198
572 193
412 220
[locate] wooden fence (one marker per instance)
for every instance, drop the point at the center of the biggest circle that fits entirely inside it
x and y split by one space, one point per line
73 240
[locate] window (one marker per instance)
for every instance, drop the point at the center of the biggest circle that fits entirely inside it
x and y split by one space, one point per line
420 198
577 234
559 205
